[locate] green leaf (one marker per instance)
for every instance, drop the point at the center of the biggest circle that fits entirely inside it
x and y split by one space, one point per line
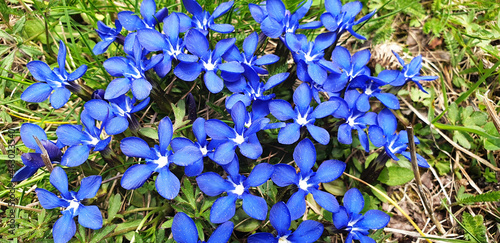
187 190
31 51
335 187
35 27
102 233
461 139
394 176
474 228
491 196
246 224
477 118
19 25
179 113
167 224
114 205
149 132
453 114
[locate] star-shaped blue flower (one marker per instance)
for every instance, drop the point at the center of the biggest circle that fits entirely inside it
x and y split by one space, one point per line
88 216
348 218
307 180
184 230
203 21
370 87
151 18
57 80
308 231
340 18
108 35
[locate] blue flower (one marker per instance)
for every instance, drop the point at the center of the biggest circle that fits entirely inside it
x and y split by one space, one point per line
132 68
275 19
158 159
370 87
302 115
308 231
184 230
210 61
117 114
384 134
307 180
57 80
340 18
237 187
247 59
354 119
410 72
131 21
202 144
351 67
203 21
33 161
108 36
349 218
80 140
88 216
171 45
310 54
239 136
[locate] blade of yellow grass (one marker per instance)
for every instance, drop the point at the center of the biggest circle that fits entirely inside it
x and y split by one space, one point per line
35 120
393 203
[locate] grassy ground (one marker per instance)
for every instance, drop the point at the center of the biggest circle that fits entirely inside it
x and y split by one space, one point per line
457 122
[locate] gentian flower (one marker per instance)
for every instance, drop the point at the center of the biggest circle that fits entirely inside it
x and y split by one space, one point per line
57 80
237 187
184 230
132 68
203 21
410 72
354 119
158 159
131 21
88 216
349 218
117 114
384 134
370 87
276 19
202 144
247 59
351 67
108 35
33 161
340 18
314 66
302 115
239 136
171 45
210 61
308 231
307 180
81 141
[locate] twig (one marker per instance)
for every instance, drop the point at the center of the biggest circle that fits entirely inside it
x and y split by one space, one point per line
112 178
491 111
20 207
44 155
416 172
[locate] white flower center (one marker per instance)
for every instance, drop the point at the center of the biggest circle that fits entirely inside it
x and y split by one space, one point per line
73 205
204 150
283 239
303 184
351 121
162 161
302 120
239 139
238 190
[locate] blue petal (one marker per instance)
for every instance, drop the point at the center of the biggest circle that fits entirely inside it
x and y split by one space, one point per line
64 228
262 237
213 82
199 130
376 135
341 218
141 88
196 42
186 156
233 99
255 207
28 131
136 147
374 219
328 171
370 118
250 44
268 59
49 200
25 172
222 9
135 176
165 133
308 231
251 150
345 134
302 11
231 67
212 184
75 155
280 218
323 41
311 25
116 125
302 98
152 40
148 10
271 27
297 204
193 7
187 71
222 47
387 121
194 169
116 66
333 6
167 184
101 145
179 142
233 167
97 109
275 79
36 92
319 134
360 59
32 160
222 233
363 103
325 200
289 134
292 42
238 113
342 57
218 130
59 180
276 9
317 73
90 217
329 21
257 12
61 58
78 73
222 28
259 175
140 106
363 139
68 134
305 156
130 21
282 110
389 100
183 229
225 152
117 87
89 187
41 71
101 47
351 9
354 201
284 175
324 109
223 209
59 97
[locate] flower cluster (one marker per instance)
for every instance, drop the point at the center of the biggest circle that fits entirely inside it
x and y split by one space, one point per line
163 46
